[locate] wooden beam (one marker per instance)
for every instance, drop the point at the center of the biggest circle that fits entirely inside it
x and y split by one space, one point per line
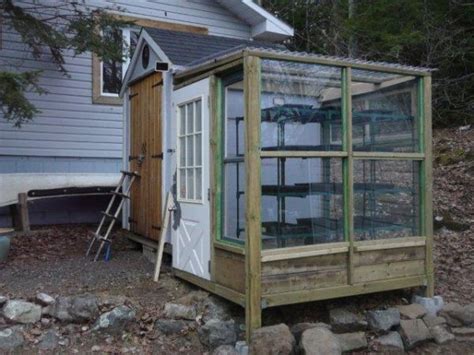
252 194
23 216
302 154
427 170
286 298
348 170
388 156
390 244
163 25
236 249
304 251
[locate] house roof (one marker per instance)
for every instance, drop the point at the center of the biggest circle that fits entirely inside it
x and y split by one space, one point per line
182 48
265 26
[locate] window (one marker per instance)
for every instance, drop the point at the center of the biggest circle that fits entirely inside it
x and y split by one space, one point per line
190 151
108 75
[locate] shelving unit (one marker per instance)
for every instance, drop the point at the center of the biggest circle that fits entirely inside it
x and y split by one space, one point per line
323 229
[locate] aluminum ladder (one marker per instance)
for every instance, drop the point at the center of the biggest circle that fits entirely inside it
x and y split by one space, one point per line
122 191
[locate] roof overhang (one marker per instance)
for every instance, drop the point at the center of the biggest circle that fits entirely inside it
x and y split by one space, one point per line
265 26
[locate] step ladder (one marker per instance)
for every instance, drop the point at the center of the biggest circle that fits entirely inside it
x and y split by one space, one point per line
122 192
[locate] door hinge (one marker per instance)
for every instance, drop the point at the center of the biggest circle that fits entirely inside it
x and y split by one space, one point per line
131 220
209 194
157 156
132 95
209 266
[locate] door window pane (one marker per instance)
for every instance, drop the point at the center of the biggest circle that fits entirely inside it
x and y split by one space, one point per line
190 151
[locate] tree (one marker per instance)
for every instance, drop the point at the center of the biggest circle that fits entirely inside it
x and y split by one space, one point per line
53 30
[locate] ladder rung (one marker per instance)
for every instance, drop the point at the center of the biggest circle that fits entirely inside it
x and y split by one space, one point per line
108 215
130 173
120 194
101 238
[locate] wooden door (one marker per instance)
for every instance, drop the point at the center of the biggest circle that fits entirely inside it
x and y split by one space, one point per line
146 156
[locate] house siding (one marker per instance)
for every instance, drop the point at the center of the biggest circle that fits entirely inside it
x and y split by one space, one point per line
71 134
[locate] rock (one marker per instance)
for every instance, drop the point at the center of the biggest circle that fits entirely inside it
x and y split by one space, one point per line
225 350
44 299
299 328
432 321
193 298
215 333
180 311
389 342
343 321
432 304
49 341
383 320
467 315
116 320
111 300
319 341
275 339
414 332
412 311
170 326
352 341
11 339
3 300
464 334
21 311
77 309
96 348
216 308
441 335
452 313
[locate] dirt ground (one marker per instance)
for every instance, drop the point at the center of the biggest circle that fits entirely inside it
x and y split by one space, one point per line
51 259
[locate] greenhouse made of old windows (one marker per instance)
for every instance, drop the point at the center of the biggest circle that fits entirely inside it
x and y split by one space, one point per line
299 177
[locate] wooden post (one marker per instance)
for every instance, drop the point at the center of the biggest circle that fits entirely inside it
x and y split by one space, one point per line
22 209
427 171
253 311
347 170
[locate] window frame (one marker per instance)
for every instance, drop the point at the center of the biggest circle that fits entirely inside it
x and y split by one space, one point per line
194 133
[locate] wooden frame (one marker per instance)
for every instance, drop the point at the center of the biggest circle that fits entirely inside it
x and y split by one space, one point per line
274 277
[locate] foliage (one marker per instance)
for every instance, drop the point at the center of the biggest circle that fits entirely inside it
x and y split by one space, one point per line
434 33
51 30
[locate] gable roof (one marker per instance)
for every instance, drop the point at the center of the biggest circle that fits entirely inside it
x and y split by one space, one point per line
182 48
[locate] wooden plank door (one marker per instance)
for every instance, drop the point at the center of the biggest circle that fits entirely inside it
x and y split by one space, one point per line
146 155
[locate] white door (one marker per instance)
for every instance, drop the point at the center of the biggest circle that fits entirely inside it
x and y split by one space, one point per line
191 225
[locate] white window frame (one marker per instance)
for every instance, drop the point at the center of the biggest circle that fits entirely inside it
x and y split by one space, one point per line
126 39
194 133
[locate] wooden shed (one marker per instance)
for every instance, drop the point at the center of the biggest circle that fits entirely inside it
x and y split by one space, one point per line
297 177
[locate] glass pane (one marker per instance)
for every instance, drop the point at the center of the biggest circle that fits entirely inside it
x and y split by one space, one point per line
384 111
190 150
190 118
234 201
198 149
300 103
198 186
234 122
198 116
134 35
111 77
190 183
182 151
302 201
182 183
182 118
386 199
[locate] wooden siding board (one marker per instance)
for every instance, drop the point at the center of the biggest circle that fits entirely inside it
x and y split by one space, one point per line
69 102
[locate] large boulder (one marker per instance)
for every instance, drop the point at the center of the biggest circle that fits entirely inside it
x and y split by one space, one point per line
180 311
452 312
116 320
432 321
441 334
299 328
21 311
414 332
225 350
76 309
432 304
467 316
343 320
49 341
412 311
464 334
383 320
216 332
352 341
275 339
216 308
319 341
11 339
388 343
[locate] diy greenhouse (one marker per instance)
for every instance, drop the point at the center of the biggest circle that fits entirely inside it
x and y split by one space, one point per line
298 177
